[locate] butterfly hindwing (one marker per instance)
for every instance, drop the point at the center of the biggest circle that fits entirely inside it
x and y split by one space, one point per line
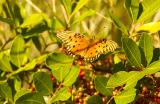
102 47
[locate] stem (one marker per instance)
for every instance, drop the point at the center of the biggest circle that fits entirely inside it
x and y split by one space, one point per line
3 46
53 94
110 100
34 6
54 6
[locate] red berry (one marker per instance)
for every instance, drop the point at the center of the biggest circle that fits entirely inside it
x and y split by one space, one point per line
53 78
81 74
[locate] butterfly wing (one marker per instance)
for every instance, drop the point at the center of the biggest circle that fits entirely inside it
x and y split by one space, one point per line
73 41
79 45
101 47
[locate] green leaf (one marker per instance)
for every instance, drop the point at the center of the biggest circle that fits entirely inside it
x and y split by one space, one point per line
17 83
101 85
152 68
146 3
150 8
7 20
37 43
30 65
20 93
132 52
125 78
118 79
85 14
30 98
34 31
57 24
133 8
43 83
62 95
59 58
136 75
79 5
151 27
67 5
2 2
71 76
156 54
5 63
146 45
33 19
119 24
60 65
5 91
60 71
126 96
33 62
17 53
95 100
17 13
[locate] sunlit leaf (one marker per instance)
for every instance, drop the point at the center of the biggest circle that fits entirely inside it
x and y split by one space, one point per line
60 64
150 8
17 83
125 78
118 79
56 24
5 63
21 93
152 68
136 75
83 16
126 96
59 58
151 27
132 51
32 63
71 76
60 71
67 5
34 19
62 95
79 5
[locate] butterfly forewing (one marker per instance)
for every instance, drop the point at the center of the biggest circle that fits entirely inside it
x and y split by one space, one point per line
73 41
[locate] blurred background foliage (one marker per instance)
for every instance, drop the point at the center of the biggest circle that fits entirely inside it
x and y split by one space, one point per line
32 67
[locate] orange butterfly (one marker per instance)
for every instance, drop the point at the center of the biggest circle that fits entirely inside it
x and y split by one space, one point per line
89 49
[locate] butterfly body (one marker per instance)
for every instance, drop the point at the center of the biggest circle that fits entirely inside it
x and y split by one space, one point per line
80 45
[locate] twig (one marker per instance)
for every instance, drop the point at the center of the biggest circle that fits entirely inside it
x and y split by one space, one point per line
3 46
34 6
110 100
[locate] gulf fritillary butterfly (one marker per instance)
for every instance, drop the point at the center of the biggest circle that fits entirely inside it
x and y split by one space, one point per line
80 45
